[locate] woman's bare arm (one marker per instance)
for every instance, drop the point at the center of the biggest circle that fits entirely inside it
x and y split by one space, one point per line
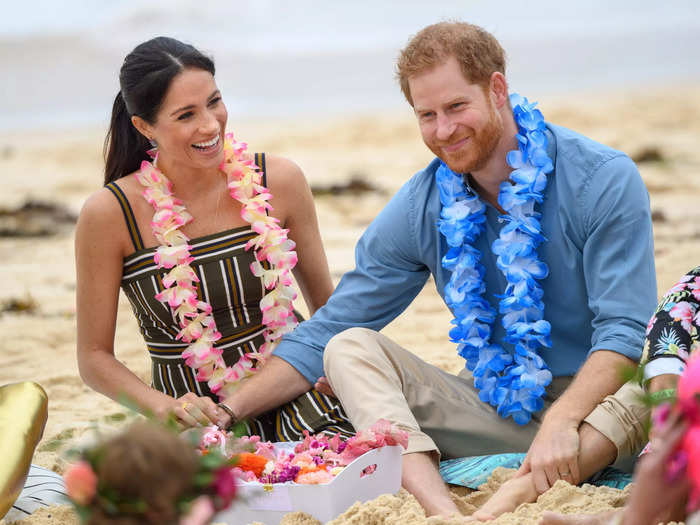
99 251
100 242
294 206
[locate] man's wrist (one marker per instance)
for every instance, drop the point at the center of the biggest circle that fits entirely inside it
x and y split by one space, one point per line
231 413
561 414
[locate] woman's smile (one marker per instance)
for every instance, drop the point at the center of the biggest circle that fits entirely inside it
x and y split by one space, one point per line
211 146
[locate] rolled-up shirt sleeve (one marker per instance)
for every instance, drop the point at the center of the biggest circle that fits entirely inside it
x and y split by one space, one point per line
618 257
388 275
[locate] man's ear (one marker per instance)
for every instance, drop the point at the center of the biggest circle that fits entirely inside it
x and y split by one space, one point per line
143 127
498 89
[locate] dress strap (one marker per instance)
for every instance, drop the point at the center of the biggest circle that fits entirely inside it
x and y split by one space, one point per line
129 216
260 163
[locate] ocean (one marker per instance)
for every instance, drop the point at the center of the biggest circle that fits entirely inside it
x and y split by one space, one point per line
309 58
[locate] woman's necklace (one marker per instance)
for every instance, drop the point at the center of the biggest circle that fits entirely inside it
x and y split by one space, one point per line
271 246
513 383
216 213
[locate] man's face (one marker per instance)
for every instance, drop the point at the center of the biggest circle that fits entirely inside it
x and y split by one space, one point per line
457 120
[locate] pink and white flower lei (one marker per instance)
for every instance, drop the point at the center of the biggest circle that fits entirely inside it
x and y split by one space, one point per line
197 326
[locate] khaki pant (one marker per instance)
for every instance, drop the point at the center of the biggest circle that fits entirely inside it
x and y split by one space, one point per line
376 378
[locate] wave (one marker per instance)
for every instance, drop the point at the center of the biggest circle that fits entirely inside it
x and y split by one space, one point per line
61 60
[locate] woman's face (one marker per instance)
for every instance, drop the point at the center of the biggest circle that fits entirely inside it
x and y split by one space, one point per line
191 122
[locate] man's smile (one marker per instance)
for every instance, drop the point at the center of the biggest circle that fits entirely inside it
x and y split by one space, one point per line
451 148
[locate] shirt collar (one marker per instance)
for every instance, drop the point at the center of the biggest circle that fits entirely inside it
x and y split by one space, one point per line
551 147
551 152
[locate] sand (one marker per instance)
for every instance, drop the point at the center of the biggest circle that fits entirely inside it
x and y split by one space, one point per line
64 168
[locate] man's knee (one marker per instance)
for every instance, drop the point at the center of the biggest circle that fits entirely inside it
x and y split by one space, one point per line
353 343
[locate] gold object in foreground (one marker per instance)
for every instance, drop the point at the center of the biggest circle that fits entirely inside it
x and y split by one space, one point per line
23 413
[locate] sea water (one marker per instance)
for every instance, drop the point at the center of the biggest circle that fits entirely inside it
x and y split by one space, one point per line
310 58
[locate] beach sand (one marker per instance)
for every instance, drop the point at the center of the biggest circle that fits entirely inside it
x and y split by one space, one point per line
661 128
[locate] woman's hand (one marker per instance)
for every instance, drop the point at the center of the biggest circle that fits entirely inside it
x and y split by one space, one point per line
191 410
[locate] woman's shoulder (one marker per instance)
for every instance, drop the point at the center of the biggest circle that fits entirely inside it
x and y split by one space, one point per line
103 213
291 194
99 205
106 200
282 173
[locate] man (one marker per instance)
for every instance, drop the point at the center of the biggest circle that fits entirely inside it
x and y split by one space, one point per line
599 292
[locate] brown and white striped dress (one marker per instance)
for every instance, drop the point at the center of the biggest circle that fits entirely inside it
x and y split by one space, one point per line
223 267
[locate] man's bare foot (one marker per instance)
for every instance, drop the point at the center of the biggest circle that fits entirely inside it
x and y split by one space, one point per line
420 476
604 518
507 498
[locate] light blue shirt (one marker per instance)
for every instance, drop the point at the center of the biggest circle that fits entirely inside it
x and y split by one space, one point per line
601 287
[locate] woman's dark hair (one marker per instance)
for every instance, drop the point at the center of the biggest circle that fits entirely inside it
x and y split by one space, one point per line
144 80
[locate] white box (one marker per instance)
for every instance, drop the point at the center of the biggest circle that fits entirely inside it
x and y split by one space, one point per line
268 503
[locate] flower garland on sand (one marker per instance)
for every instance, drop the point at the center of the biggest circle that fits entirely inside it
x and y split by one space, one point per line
317 459
513 383
213 487
271 245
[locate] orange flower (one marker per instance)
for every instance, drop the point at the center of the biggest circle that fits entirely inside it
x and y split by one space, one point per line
81 482
251 463
315 478
308 470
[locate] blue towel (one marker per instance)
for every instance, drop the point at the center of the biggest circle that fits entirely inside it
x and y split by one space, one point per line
473 471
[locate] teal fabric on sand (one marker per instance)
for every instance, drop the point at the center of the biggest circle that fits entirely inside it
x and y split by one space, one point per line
474 471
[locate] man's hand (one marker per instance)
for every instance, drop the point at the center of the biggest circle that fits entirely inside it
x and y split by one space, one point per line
323 386
553 454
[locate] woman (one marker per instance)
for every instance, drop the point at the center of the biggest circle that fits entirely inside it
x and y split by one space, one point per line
175 234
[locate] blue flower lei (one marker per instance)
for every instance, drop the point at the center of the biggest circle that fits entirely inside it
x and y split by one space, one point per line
513 383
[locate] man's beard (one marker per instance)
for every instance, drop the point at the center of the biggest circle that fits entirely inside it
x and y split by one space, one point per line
479 148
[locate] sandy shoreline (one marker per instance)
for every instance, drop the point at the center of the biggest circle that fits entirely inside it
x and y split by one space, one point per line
385 150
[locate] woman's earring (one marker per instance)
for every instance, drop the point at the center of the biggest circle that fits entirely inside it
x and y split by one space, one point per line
153 152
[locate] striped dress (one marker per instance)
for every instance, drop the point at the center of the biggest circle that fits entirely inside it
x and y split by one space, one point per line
225 281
